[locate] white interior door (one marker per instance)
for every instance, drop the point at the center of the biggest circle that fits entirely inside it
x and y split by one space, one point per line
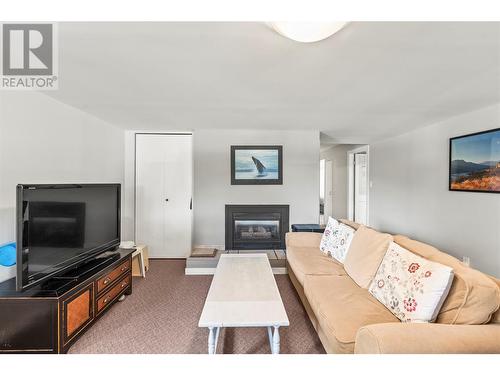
325 189
360 188
328 189
164 178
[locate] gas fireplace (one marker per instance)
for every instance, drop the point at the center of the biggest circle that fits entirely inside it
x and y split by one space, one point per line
251 227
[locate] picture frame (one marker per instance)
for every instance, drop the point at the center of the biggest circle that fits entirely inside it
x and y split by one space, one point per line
474 162
257 165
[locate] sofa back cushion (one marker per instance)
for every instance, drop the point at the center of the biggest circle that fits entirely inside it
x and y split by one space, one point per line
496 316
350 223
473 297
365 254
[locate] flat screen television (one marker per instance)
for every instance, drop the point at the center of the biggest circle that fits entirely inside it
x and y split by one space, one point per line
62 226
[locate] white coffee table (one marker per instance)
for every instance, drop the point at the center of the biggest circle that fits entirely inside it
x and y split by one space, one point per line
243 293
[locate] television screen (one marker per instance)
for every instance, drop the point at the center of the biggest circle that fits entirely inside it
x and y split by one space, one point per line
60 226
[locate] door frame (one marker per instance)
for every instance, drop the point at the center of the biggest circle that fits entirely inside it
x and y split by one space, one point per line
328 182
350 181
135 174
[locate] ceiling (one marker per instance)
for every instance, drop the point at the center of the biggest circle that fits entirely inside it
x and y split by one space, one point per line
367 82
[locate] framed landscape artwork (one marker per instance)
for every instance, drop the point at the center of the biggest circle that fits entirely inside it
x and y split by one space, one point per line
475 162
256 165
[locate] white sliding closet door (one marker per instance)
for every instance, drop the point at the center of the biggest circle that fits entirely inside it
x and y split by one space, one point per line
164 179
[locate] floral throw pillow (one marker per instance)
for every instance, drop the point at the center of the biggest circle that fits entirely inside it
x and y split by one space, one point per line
411 287
336 239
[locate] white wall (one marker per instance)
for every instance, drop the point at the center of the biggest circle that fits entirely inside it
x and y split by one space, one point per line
45 141
338 155
212 188
212 178
410 192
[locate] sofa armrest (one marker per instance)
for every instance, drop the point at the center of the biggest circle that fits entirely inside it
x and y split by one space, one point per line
303 239
427 338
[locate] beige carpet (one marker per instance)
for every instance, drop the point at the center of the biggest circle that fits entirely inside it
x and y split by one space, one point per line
161 316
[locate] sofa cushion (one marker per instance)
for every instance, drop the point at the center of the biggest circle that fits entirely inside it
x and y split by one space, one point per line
342 307
350 223
411 287
303 239
496 316
311 261
365 254
473 297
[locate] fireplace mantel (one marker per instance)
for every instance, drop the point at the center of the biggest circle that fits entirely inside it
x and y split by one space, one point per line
256 226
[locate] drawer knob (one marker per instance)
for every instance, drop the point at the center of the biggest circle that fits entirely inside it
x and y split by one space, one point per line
123 268
124 285
106 280
106 300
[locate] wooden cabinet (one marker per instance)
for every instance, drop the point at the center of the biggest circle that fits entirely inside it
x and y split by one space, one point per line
78 311
51 320
108 279
110 295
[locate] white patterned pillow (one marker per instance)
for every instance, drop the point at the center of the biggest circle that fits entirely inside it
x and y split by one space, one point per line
336 239
411 287
327 238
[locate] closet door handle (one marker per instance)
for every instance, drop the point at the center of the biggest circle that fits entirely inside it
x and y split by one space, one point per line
166 199
191 204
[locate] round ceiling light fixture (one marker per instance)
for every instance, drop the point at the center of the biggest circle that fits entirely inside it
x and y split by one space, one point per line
307 32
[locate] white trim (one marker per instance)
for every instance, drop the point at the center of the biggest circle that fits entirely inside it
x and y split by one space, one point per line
328 194
280 271
199 271
211 271
218 247
350 185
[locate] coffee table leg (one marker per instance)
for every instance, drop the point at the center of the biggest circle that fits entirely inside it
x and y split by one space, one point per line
211 340
276 341
270 336
213 337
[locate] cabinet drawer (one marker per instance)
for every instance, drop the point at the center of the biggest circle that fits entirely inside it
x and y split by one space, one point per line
114 292
108 279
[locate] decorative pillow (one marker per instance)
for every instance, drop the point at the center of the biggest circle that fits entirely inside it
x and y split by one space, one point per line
473 296
327 238
411 287
336 239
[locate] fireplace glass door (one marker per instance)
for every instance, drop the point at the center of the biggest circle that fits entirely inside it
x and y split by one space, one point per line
256 230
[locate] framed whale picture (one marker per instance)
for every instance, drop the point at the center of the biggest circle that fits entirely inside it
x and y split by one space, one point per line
475 162
256 165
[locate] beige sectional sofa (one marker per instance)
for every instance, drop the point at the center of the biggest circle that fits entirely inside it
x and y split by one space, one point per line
348 319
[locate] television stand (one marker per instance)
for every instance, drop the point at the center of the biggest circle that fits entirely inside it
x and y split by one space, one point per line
49 318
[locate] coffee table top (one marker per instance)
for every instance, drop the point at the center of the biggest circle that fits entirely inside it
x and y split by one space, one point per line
243 293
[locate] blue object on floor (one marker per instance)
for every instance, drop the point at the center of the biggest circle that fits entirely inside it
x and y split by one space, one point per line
8 254
307 228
